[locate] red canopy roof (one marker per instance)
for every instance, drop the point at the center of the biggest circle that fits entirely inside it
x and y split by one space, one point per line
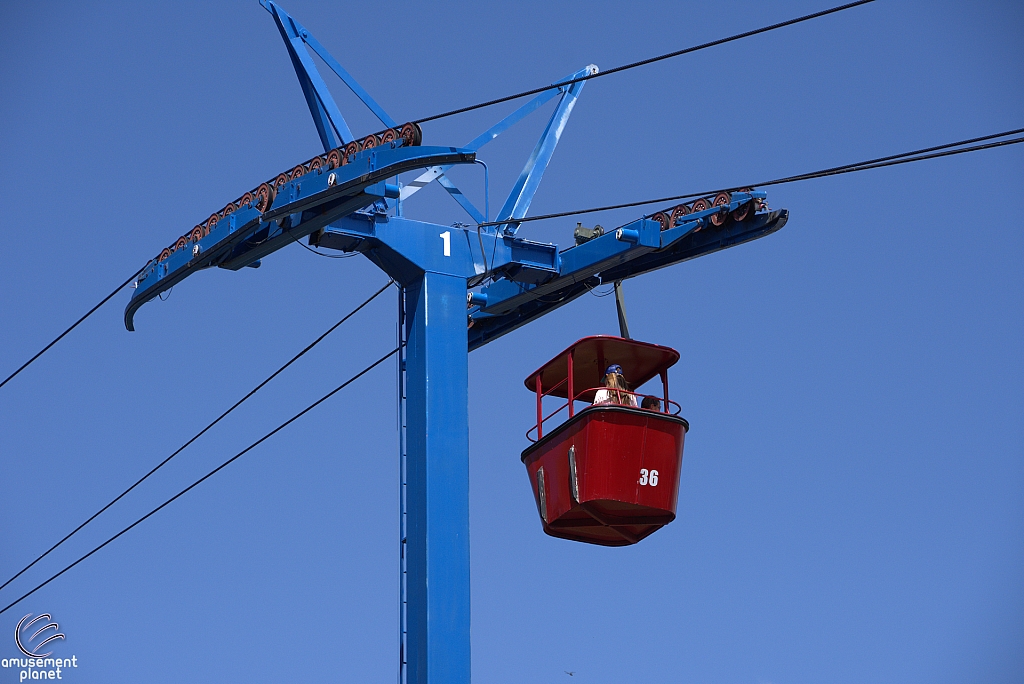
640 362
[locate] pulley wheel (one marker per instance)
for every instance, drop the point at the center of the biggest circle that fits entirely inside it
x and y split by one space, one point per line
722 199
743 212
663 219
264 197
412 134
678 213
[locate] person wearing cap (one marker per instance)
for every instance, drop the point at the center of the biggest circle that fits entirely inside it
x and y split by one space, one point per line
616 389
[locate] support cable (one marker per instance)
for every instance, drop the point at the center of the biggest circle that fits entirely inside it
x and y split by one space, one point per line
892 160
200 433
74 325
210 474
644 62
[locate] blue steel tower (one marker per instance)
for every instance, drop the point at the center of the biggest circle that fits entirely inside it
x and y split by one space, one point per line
461 288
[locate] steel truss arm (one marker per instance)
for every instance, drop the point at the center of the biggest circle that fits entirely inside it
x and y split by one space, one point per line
330 124
431 174
326 115
634 249
352 84
437 172
463 201
301 206
518 202
535 278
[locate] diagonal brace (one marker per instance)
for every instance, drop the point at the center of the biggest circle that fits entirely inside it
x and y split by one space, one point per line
518 202
330 124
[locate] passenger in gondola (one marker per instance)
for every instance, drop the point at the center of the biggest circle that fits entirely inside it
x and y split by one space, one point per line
616 389
651 404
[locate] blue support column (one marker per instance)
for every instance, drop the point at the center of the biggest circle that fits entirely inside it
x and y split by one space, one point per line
437 368
434 264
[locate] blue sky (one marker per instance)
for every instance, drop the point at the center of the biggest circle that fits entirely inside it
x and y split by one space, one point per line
851 499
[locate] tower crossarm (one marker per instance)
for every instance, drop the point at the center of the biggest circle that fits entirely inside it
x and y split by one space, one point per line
303 202
525 294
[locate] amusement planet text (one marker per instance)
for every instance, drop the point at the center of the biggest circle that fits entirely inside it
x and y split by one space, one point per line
40 668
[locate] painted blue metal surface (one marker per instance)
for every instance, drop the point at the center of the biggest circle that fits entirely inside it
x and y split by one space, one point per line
321 105
330 124
403 518
437 410
551 134
301 207
436 266
403 248
534 278
346 77
463 201
518 202
510 305
431 174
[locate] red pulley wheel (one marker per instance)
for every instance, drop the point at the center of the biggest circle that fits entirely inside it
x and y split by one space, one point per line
678 213
264 197
412 134
722 199
664 219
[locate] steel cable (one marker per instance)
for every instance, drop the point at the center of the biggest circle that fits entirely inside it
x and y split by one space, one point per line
200 433
644 62
74 325
209 474
891 160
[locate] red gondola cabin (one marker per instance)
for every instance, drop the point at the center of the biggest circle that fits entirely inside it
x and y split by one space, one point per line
609 474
